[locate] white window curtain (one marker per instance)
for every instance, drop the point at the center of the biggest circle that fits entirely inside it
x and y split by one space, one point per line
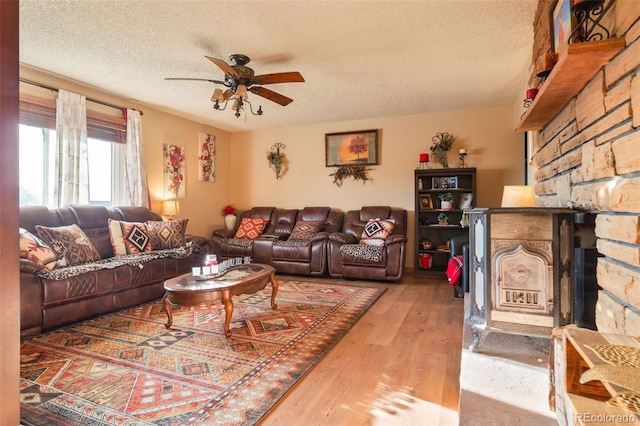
72 164
136 177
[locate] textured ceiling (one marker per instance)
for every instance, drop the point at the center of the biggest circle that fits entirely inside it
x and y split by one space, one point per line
360 59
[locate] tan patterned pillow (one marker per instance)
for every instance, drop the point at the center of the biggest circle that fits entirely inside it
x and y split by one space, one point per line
129 237
306 229
377 229
33 248
250 228
167 234
70 243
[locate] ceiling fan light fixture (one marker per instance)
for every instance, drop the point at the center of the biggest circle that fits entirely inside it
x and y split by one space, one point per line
241 91
217 96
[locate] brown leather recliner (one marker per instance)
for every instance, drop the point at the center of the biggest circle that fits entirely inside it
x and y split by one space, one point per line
307 256
225 246
381 263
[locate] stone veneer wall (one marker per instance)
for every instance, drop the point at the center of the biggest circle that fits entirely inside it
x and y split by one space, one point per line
588 158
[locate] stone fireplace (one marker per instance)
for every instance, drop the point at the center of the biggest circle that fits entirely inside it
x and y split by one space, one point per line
521 271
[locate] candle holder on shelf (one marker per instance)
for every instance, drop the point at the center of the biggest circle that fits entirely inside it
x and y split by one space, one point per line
462 154
424 162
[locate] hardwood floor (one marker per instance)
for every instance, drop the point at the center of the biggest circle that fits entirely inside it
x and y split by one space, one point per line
400 364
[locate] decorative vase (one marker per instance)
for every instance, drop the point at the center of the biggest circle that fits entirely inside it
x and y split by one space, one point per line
445 205
230 221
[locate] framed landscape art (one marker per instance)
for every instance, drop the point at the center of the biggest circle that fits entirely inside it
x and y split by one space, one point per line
359 148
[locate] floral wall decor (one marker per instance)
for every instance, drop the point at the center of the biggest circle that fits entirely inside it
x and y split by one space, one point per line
207 157
174 169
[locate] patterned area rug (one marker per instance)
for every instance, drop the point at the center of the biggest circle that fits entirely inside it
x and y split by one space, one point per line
126 368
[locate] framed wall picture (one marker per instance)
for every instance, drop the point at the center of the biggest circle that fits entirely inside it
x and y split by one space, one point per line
359 148
466 201
426 203
562 25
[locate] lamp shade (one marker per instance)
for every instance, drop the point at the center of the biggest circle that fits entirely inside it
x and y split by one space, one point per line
241 91
217 95
170 208
518 196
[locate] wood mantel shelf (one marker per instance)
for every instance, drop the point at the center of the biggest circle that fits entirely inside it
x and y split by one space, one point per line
576 66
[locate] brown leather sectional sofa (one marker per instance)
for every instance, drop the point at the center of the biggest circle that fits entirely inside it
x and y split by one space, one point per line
47 303
322 254
275 248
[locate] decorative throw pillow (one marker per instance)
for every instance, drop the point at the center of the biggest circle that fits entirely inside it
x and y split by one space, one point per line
33 248
167 234
377 229
251 228
128 237
70 243
306 229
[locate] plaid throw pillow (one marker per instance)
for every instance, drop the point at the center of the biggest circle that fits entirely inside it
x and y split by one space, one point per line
306 229
167 234
70 243
376 231
250 228
36 250
129 237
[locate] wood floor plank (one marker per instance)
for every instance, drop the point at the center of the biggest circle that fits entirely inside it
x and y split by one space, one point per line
400 363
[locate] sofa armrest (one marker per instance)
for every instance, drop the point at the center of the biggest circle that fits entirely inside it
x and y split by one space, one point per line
28 266
223 233
274 236
320 236
394 239
342 238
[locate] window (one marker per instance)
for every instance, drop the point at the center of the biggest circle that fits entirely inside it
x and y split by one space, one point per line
38 152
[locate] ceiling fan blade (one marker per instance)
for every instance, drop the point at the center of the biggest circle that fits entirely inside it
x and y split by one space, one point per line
223 66
279 77
271 95
196 79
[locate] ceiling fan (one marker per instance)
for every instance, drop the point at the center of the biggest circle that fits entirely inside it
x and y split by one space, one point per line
239 78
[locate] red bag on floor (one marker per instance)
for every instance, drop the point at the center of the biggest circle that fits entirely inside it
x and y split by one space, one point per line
454 270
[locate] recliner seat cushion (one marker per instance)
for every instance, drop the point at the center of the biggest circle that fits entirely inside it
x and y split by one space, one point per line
362 254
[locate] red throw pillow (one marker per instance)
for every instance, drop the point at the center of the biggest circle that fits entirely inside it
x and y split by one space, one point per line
250 228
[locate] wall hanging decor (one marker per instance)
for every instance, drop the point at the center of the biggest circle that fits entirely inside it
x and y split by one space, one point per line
355 172
174 171
206 157
358 148
277 159
442 142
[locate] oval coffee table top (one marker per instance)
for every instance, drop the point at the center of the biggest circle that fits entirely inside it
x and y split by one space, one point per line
232 276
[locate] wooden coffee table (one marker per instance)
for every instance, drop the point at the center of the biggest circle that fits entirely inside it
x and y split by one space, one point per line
186 290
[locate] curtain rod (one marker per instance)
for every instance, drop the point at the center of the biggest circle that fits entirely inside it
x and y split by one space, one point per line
95 101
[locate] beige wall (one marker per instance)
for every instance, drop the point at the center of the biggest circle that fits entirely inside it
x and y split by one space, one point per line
494 148
245 179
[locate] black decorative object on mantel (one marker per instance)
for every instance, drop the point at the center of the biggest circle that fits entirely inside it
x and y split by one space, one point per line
588 14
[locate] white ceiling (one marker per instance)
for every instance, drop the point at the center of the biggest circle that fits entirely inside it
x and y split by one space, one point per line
360 59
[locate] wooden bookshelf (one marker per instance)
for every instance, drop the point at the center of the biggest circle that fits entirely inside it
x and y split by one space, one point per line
576 66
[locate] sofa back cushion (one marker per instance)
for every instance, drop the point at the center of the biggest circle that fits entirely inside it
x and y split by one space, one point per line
70 243
282 222
129 237
167 234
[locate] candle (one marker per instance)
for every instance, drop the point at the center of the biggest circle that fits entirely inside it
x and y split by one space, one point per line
531 93
424 158
463 151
